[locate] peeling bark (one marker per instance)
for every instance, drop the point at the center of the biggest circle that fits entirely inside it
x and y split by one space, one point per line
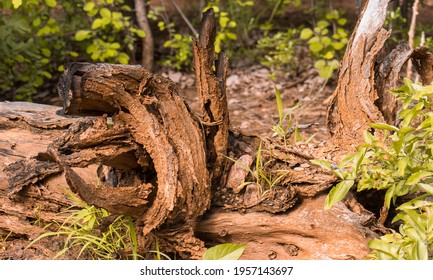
212 96
423 61
354 104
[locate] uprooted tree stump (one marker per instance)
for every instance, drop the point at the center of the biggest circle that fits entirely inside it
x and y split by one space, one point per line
129 143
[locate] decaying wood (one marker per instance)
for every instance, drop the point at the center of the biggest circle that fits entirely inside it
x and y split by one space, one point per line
353 105
152 129
423 62
309 232
212 96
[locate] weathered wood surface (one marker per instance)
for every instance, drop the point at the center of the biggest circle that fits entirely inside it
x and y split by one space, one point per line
212 94
307 232
354 104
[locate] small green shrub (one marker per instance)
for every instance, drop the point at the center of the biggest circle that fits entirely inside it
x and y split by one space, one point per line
401 163
33 44
179 44
111 34
280 50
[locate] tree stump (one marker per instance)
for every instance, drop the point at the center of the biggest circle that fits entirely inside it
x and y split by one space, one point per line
367 70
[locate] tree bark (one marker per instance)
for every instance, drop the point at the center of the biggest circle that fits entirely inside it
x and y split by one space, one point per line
354 103
147 54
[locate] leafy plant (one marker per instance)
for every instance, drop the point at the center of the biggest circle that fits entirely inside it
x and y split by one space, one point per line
327 42
33 44
226 251
280 50
401 163
285 125
414 241
86 229
111 34
180 44
37 41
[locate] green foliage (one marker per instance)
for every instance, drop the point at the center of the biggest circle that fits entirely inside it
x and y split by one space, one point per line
86 229
36 39
401 163
227 251
180 44
327 42
285 123
280 49
32 44
110 34
414 241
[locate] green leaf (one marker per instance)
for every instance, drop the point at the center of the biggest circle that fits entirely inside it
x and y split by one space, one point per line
82 35
17 3
306 33
140 33
338 45
426 187
358 158
342 21
46 52
326 41
315 47
390 194
227 251
420 251
279 101
326 72
123 58
383 126
223 21
89 6
51 3
322 24
416 177
322 163
368 137
329 55
338 192
390 250
36 22
105 13
319 64
97 23
402 164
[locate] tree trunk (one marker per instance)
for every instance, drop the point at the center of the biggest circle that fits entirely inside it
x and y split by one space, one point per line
362 96
147 54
